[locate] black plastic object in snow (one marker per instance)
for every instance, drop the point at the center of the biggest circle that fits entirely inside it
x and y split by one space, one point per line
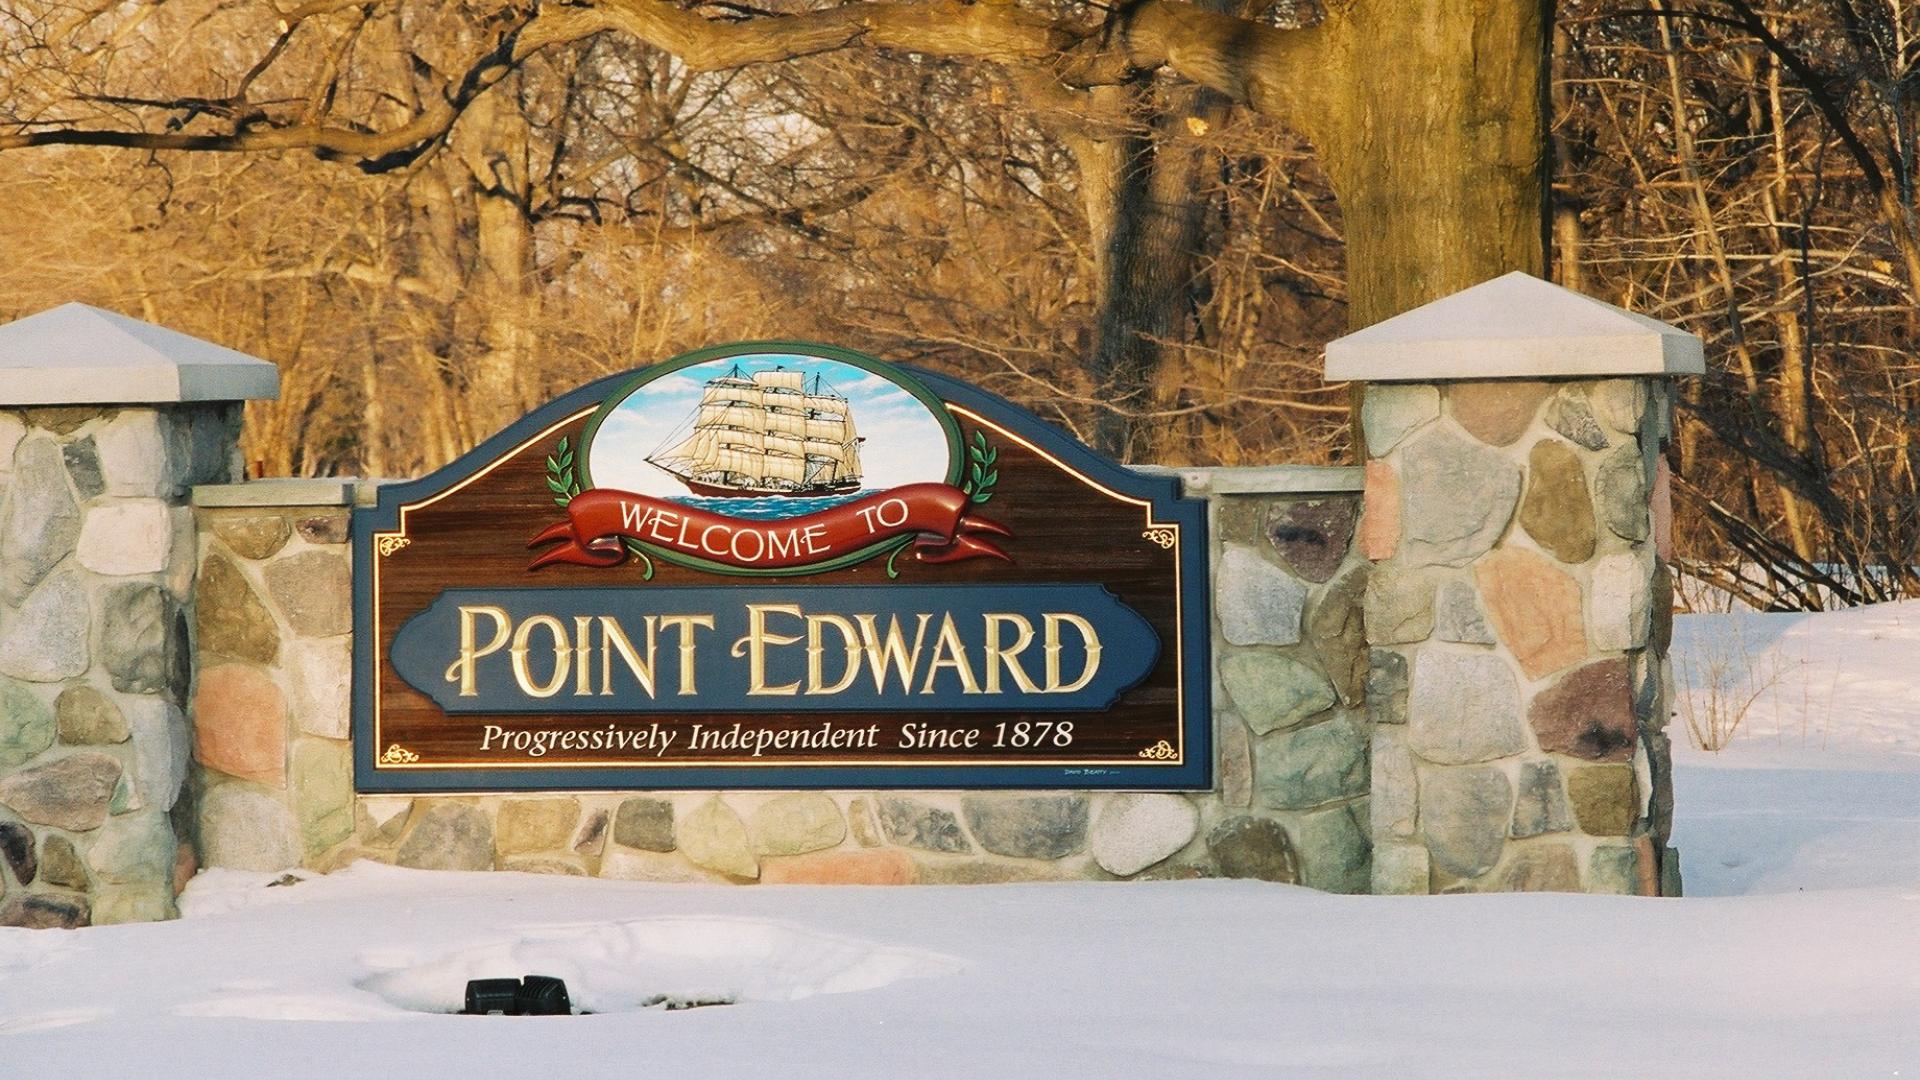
536 995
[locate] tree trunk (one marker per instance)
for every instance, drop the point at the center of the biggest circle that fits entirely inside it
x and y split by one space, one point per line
1436 145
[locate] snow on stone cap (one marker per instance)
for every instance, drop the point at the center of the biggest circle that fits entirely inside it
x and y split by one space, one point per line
1513 327
77 354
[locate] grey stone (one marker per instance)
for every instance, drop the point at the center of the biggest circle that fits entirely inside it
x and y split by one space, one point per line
244 829
133 454
126 537
1250 847
644 823
1401 870
16 847
1313 536
322 784
1386 686
86 717
135 618
797 823
70 793
713 836
229 618
41 522
26 724
1274 691
47 911
1620 492
83 464
162 745
134 848
313 591
1394 786
61 865
1671 883
1028 826
1135 831
46 640
1540 806
1236 761
1464 708
915 824
1390 411
1457 497
252 536
1610 869
1336 627
1310 766
563 865
1335 852
1257 602
1464 814
1457 616
1619 403
450 836
12 431
1399 605
1569 414
322 687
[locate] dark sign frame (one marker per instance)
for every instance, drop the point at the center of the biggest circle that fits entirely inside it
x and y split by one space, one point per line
1169 520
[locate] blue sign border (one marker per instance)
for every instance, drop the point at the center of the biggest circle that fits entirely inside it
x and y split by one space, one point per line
1162 492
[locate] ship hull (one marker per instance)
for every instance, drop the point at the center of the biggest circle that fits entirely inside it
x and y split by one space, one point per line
718 491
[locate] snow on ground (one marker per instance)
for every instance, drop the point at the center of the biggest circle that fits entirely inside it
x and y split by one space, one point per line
1797 954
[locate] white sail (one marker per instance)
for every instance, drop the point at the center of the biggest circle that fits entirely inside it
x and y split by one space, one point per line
786 422
789 445
779 380
730 392
744 417
832 429
827 404
743 462
832 451
782 467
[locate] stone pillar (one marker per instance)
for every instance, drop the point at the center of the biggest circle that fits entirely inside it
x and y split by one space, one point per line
1519 608
105 424
273 764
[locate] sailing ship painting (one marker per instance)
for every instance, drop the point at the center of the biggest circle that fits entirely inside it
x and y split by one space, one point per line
767 434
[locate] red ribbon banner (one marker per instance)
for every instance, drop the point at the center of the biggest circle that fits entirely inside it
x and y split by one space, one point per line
599 521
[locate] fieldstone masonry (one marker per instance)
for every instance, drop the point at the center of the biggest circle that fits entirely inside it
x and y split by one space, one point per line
97 575
1518 611
1453 681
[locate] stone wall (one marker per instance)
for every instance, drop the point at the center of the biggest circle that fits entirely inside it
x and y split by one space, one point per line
273 781
1519 612
96 577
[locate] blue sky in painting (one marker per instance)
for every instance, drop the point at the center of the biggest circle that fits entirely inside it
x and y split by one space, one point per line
905 443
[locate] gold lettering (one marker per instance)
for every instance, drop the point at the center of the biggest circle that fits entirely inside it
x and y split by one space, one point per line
686 624
892 651
583 671
996 656
950 652
1088 635
754 647
463 669
613 639
816 680
562 656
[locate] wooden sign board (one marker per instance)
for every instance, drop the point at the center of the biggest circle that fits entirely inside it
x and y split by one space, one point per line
780 565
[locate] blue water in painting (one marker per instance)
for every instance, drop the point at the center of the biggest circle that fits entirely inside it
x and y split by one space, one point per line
773 508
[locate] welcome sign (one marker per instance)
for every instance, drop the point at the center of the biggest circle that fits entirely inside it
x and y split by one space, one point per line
781 565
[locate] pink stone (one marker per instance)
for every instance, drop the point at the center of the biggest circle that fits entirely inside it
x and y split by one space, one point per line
1534 607
885 866
1496 411
1662 509
240 723
1380 516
